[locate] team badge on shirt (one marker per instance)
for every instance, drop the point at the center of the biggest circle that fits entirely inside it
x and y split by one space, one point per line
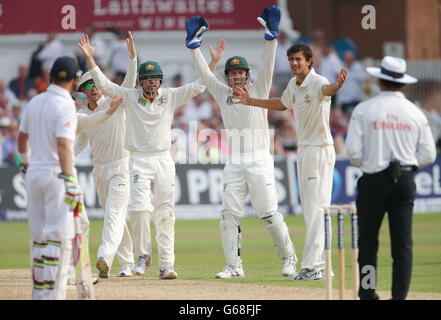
307 98
230 100
293 98
135 178
162 100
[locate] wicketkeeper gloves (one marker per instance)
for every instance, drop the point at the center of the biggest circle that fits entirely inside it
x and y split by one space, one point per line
196 26
74 194
270 19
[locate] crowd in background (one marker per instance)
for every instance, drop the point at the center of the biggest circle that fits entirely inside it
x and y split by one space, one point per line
33 78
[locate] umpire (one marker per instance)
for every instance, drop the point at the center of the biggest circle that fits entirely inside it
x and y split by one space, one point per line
389 138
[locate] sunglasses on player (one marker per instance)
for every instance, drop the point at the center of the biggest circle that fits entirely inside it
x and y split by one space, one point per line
90 85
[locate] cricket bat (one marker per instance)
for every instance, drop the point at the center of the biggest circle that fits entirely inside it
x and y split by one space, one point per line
83 272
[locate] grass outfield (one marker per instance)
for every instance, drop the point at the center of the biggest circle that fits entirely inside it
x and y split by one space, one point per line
199 254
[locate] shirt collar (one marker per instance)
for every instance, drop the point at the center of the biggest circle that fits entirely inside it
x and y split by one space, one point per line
308 78
53 88
392 93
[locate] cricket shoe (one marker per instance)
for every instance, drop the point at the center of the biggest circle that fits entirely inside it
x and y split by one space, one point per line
103 267
230 272
289 266
125 271
306 274
168 273
142 264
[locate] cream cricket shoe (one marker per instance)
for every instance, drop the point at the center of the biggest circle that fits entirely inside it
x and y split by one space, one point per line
289 266
125 271
230 272
142 264
168 273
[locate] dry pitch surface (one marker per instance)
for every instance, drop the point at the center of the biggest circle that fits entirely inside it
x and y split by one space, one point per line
16 285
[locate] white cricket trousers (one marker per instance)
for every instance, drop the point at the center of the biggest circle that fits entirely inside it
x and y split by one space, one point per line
315 169
254 174
51 226
153 175
112 184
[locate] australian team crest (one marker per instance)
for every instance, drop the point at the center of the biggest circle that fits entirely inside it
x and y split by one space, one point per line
235 62
307 98
149 67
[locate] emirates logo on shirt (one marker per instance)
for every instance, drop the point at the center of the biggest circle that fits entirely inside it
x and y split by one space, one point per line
67 125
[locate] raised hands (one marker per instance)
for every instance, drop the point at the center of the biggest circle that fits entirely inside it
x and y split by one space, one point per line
196 26
86 47
218 52
270 19
131 45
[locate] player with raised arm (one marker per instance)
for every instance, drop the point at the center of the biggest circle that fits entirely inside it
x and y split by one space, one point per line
149 114
110 170
309 95
251 168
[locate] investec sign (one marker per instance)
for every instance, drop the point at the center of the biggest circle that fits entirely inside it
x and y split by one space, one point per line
136 15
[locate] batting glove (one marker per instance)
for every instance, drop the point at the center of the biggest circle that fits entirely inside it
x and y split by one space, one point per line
196 26
23 171
270 19
74 194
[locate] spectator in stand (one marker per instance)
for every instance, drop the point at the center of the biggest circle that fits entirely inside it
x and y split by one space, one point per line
351 93
52 49
7 98
35 64
4 133
119 57
339 129
318 42
42 81
16 111
9 146
330 66
198 108
282 71
21 84
287 137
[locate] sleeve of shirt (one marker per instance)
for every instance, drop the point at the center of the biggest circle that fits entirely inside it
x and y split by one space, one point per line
287 97
321 81
81 143
214 86
426 150
265 77
66 122
354 139
24 123
87 122
108 87
130 78
183 94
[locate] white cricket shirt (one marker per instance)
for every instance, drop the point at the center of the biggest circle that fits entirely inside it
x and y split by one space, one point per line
48 116
107 140
148 126
385 127
311 110
251 123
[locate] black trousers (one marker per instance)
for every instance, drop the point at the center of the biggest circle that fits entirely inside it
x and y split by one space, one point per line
377 194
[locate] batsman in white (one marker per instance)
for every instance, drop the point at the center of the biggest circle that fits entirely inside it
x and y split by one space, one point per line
110 170
309 95
149 114
251 168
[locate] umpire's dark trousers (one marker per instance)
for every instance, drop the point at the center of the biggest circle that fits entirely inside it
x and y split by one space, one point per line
377 194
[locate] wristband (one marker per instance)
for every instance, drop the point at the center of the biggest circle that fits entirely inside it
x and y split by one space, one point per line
24 157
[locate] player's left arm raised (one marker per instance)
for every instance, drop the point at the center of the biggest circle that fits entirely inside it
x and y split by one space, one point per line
332 88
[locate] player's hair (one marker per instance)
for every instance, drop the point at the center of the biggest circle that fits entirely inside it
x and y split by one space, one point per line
56 80
392 84
304 49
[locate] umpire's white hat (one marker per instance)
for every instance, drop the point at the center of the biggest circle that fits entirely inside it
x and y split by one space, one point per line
392 69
